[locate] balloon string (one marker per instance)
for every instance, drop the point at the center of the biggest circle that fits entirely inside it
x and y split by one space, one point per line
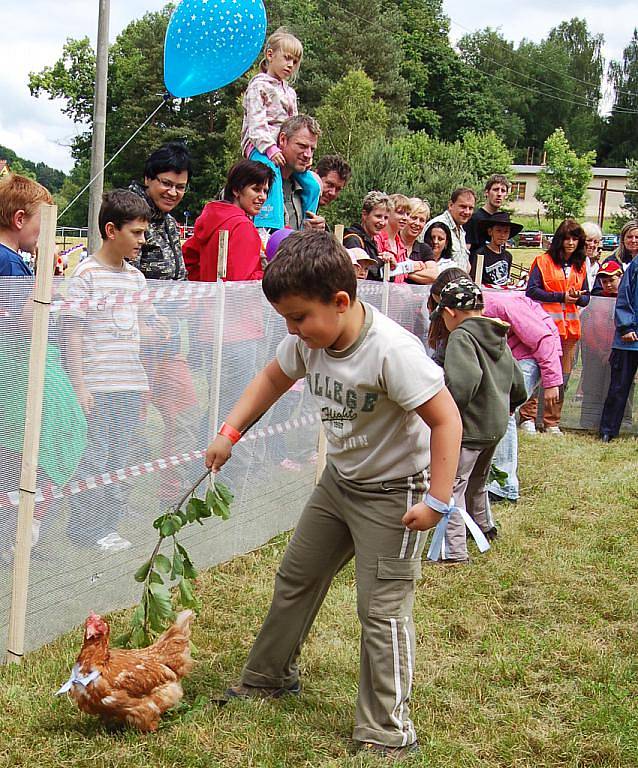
165 98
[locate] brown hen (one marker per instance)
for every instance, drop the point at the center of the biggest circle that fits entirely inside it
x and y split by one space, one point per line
134 687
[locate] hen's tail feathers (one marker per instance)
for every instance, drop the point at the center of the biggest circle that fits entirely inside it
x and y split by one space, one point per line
174 644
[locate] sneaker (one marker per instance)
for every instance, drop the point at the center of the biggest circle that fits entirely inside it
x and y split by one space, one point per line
113 542
391 753
553 431
242 691
528 427
290 465
449 561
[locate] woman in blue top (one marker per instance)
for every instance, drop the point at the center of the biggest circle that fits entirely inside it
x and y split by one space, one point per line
624 353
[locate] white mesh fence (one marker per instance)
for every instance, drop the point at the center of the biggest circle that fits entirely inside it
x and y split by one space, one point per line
141 445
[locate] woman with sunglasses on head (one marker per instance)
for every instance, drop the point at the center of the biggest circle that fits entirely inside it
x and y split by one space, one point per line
593 250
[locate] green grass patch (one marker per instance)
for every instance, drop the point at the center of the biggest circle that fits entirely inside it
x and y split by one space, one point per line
528 657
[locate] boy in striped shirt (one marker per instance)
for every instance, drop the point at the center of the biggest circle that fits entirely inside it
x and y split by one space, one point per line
104 362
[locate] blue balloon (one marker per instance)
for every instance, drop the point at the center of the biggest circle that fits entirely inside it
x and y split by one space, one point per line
210 43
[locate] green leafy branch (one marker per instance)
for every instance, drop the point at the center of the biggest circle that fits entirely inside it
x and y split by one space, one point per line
497 474
155 611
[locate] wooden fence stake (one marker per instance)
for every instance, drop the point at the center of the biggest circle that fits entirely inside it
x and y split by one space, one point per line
322 446
32 426
478 276
216 372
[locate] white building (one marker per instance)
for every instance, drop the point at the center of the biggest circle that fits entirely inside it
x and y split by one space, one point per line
525 184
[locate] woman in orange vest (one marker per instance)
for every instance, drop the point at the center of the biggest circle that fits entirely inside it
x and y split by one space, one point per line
558 281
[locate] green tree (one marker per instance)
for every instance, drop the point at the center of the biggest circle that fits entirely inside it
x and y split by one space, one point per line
539 87
486 154
447 97
631 198
22 170
377 167
350 117
434 168
571 60
488 52
562 184
619 142
78 214
49 177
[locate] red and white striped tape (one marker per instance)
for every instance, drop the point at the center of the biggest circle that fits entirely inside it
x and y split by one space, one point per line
172 292
50 491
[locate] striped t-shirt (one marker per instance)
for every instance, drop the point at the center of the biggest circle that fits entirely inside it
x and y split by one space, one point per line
110 331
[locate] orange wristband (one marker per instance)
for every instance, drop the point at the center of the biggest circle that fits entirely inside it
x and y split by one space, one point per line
234 435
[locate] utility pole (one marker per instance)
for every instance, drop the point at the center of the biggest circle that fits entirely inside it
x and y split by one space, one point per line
99 125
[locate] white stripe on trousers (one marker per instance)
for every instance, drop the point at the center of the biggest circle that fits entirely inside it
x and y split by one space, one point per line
399 699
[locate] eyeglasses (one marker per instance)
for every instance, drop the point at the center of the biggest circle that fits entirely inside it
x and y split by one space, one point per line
167 185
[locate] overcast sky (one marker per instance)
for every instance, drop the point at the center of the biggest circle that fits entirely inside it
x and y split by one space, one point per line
34 31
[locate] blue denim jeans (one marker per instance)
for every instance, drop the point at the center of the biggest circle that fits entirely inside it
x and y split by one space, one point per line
506 454
97 511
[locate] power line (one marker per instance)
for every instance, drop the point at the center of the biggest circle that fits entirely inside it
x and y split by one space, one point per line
590 105
551 69
106 165
583 103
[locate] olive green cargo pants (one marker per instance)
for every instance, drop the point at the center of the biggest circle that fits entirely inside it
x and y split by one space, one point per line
343 519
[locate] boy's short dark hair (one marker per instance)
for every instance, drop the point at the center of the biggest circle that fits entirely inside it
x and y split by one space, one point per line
334 163
310 264
246 172
119 206
173 156
497 178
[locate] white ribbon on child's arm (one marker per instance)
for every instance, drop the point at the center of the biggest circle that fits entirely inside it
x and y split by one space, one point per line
436 545
404 268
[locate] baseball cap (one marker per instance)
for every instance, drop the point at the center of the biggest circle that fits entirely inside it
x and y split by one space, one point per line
359 256
610 268
459 294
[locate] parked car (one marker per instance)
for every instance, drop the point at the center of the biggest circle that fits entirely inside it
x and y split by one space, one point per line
530 239
610 242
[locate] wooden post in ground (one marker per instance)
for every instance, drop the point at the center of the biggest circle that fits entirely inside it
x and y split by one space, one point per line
322 446
385 299
216 369
602 203
478 276
32 426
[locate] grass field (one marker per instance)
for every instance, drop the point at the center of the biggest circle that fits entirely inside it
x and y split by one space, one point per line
528 657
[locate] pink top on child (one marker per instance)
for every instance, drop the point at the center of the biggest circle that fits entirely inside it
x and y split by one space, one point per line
268 103
533 333
396 247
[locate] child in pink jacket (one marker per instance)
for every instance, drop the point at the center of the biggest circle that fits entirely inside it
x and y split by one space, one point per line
535 344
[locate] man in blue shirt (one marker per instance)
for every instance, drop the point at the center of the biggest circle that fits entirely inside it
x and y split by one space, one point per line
20 201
